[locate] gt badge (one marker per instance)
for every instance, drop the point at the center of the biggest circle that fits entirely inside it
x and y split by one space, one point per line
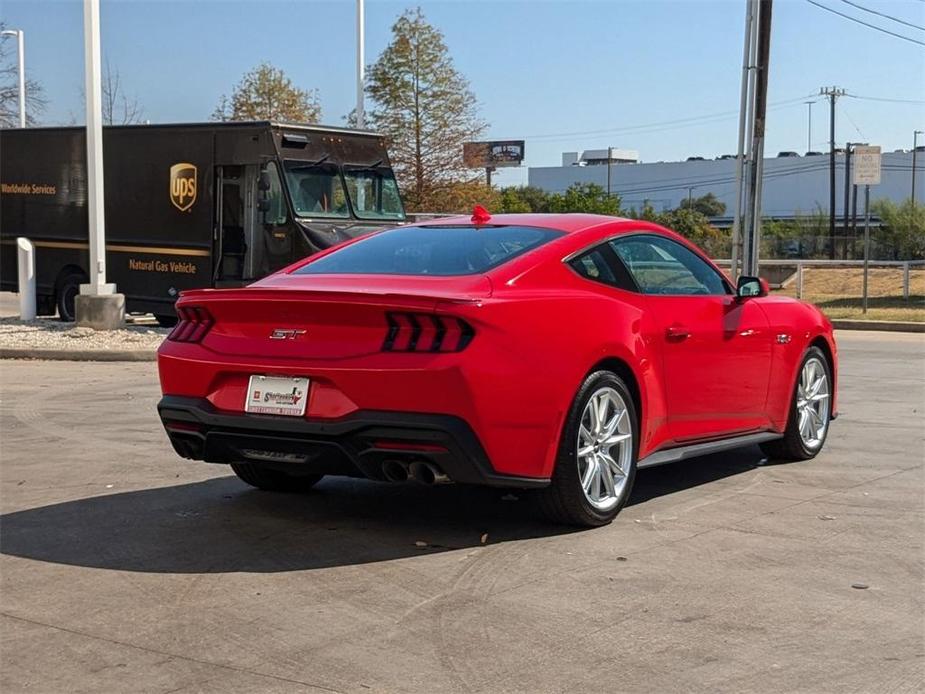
286 334
183 186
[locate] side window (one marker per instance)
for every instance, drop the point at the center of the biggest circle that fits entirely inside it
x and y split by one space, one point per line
593 266
662 266
276 215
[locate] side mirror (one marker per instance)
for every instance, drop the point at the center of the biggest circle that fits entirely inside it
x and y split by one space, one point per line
263 205
263 183
748 287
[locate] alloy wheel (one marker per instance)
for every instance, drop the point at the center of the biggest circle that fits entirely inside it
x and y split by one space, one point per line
604 448
812 403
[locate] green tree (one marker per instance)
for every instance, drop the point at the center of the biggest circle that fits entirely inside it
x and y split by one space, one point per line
265 93
524 199
708 205
902 232
426 109
585 197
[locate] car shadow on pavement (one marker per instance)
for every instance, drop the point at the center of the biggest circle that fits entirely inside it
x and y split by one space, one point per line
220 525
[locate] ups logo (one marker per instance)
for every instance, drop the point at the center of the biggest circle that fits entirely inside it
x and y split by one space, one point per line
183 186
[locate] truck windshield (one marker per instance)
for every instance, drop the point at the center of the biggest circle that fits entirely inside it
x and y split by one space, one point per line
431 250
317 189
374 193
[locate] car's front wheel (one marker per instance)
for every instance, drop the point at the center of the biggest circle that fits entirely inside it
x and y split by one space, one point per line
596 464
810 411
271 480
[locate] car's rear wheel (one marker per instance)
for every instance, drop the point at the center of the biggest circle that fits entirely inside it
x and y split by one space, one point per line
271 480
810 411
596 464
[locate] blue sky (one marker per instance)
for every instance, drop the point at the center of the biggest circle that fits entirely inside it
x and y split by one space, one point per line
541 70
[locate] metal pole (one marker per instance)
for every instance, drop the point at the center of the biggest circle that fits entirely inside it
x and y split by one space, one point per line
97 219
915 144
361 66
690 198
832 176
809 126
906 280
488 170
609 168
26 274
866 241
756 164
740 156
21 63
847 199
799 280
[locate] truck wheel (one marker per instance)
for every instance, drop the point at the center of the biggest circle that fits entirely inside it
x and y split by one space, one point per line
271 480
67 288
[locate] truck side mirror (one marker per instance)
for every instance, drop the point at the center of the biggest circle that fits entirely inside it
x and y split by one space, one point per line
263 183
263 204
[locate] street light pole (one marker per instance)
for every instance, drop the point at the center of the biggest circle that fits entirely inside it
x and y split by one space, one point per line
809 126
21 49
915 145
361 67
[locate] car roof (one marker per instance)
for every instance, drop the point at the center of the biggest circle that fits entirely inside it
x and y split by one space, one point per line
568 223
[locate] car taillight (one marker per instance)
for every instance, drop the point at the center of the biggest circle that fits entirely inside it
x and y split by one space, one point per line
193 325
423 332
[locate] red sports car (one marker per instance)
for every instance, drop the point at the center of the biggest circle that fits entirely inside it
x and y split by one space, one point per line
560 352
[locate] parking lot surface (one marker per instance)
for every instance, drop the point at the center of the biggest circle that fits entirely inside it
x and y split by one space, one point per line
125 568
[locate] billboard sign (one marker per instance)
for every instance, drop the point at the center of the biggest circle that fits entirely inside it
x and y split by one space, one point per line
494 154
866 166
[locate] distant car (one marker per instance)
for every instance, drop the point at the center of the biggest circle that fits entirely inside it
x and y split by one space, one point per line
788 154
558 352
723 157
813 154
696 159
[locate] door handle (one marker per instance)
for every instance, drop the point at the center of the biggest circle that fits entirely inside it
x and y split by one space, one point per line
677 333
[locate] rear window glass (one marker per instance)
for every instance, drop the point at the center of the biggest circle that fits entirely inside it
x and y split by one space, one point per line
431 250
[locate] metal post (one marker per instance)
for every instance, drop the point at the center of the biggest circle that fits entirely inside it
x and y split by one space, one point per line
26 272
21 64
906 280
866 241
97 218
488 170
361 67
799 280
832 177
847 199
609 168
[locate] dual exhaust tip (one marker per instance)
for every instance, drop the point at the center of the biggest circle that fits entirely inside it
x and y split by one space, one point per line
419 471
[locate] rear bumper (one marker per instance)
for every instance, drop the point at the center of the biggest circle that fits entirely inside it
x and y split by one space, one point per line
356 445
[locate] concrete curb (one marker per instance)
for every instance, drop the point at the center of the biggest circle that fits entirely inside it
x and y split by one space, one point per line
885 325
79 354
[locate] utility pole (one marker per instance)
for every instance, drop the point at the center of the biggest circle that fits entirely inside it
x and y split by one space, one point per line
915 145
809 126
609 168
745 110
21 51
832 93
361 67
690 198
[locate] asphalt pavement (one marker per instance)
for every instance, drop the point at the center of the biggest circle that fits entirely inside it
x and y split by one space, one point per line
125 568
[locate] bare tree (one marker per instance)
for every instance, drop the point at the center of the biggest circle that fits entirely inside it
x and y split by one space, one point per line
9 88
118 107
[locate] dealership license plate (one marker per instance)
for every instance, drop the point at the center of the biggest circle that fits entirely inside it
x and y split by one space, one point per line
277 395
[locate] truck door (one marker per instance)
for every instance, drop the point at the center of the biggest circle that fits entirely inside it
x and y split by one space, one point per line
234 224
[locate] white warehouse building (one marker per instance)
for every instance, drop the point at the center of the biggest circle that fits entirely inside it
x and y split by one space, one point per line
793 185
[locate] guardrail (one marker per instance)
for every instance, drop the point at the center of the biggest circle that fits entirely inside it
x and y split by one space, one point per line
906 266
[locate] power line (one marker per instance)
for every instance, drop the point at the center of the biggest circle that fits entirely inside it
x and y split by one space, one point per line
884 15
871 26
882 98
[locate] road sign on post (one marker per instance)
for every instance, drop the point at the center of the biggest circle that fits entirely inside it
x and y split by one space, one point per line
867 174
866 166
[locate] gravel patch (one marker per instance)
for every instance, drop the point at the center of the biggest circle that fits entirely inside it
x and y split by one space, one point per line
52 334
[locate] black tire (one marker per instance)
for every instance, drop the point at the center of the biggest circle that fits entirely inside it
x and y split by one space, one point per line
564 500
66 289
166 321
271 480
791 447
